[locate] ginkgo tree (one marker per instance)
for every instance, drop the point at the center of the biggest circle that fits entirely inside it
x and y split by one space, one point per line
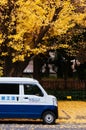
26 26
76 37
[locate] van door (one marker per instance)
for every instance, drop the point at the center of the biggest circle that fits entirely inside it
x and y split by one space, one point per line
33 101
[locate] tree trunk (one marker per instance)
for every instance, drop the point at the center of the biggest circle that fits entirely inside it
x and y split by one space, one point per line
37 68
42 32
14 69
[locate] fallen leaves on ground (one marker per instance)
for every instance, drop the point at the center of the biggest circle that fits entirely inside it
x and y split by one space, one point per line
72 112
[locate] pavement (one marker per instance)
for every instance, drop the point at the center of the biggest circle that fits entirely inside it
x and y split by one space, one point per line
42 127
72 112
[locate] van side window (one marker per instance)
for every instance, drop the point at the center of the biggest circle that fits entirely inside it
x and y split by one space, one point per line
32 89
9 88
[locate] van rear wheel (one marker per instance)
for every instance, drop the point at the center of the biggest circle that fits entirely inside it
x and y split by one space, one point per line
48 117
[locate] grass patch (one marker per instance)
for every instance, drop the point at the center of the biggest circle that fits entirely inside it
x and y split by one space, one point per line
64 95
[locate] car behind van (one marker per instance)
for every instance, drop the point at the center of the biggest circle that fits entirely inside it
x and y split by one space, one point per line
26 98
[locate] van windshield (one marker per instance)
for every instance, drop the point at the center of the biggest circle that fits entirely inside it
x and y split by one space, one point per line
32 89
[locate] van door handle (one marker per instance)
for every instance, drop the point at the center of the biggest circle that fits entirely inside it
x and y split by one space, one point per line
25 97
17 98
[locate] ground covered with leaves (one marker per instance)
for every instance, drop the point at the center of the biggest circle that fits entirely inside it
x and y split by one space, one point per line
72 112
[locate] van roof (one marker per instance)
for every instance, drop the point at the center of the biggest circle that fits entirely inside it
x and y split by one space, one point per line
17 80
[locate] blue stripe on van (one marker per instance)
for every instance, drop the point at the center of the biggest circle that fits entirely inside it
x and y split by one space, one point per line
24 111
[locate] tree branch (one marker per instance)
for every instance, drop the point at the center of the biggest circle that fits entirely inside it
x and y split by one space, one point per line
44 29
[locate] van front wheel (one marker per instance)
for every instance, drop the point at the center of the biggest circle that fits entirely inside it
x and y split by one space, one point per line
48 117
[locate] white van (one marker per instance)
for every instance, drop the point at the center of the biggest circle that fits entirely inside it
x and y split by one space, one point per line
25 98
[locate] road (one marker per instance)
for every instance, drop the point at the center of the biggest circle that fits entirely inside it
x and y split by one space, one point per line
42 127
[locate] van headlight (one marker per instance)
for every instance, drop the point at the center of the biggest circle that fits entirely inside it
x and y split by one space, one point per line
54 101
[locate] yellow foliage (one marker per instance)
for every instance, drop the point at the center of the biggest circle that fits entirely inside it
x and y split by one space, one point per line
65 17
1 39
1 71
40 49
3 2
18 58
29 18
80 18
4 54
